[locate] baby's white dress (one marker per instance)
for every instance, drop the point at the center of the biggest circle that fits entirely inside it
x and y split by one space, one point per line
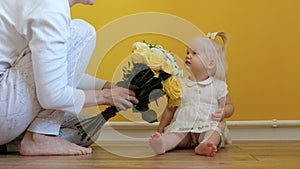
199 101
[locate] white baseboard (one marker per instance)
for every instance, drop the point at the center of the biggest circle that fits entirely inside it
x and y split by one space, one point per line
263 130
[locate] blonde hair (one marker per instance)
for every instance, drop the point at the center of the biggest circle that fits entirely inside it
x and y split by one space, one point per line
209 48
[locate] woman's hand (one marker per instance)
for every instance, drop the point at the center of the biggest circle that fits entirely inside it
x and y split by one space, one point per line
116 96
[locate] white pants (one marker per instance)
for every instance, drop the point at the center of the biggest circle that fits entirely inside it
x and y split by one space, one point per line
19 107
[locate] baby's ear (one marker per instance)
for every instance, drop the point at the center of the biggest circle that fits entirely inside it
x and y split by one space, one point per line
212 64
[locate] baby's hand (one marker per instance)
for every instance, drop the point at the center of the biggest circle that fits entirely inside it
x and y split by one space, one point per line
218 115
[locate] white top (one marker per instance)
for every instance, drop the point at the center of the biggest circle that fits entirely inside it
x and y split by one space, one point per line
198 102
43 27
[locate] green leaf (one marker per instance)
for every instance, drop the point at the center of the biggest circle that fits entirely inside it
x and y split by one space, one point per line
133 87
129 64
150 116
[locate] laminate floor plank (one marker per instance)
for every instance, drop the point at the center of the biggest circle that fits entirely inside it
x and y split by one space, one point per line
134 155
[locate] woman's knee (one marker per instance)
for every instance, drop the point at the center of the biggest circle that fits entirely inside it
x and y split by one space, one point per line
82 40
82 28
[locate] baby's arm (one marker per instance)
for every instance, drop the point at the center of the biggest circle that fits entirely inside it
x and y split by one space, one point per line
228 108
225 111
166 118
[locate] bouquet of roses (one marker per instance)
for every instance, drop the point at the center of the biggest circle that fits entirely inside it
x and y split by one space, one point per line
152 73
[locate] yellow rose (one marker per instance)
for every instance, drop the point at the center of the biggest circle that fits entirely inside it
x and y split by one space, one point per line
172 87
140 47
140 51
167 68
174 103
138 58
155 61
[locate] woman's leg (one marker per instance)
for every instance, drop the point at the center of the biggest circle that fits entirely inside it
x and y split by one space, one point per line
69 132
80 47
19 105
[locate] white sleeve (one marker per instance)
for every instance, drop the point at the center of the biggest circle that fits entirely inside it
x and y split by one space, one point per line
222 90
49 61
89 82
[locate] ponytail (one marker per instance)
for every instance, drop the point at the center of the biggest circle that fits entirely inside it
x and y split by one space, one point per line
221 72
223 35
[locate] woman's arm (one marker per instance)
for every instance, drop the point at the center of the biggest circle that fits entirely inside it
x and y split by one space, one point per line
108 85
120 97
88 82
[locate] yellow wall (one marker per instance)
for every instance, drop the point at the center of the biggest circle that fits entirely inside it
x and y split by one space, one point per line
263 53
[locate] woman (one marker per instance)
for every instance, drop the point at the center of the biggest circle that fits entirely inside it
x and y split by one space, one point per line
43 56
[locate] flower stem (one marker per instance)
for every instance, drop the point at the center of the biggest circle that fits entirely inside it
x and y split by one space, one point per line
89 127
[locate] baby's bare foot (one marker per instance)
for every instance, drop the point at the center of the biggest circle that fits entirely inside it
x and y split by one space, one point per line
206 148
156 143
38 144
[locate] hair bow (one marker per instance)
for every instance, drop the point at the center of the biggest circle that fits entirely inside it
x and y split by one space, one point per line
212 35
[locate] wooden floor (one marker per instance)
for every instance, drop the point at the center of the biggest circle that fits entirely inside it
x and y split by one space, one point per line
239 155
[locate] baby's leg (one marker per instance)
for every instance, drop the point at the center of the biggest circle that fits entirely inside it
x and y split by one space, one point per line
208 147
160 144
156 143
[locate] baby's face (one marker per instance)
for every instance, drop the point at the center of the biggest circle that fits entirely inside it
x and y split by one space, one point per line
194 62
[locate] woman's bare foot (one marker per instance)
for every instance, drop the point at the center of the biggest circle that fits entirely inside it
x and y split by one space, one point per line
206 148
156 143
38 144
